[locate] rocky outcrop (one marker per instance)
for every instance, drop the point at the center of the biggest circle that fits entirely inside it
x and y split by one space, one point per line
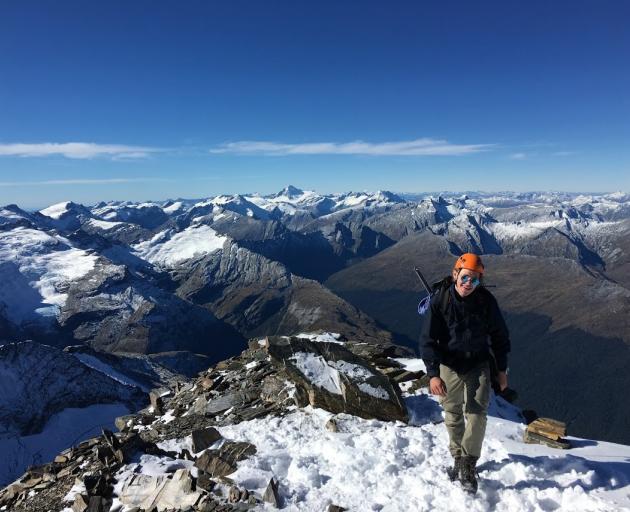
331 377
172 456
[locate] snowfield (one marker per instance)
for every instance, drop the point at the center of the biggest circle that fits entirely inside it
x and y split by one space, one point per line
170 249
55 211
371 465
45 266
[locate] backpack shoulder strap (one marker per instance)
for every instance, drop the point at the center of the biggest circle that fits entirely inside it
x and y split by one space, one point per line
486 298
441 289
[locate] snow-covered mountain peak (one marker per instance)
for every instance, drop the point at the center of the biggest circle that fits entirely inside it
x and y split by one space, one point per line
618 197
147 215
55 211
289 192
353 200
66 215
65 209
13 215
387 196
236 203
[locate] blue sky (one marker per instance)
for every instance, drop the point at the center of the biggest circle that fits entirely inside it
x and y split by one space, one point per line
155 99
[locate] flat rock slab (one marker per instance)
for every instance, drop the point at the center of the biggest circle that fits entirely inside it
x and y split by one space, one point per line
223 461
227 401
161 493
337 380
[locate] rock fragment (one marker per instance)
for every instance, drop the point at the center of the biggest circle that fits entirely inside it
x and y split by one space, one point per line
222 462
271 493
202 439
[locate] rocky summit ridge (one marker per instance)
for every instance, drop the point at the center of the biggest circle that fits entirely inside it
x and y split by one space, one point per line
313 423
178 431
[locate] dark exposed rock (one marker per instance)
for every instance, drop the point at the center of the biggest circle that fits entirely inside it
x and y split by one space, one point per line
274 389
202 439
205 482
96 485
113 309
98 504
56 380
228 400
223 461
103 453
406 376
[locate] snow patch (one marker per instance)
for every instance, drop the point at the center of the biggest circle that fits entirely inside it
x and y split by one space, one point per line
325 374
55 211
411 365
170 249
96 364
44 263
105 225
317 371
327 337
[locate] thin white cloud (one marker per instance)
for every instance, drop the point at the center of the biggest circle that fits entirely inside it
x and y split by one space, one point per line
518 156
564 153
104 181
417 147
79 150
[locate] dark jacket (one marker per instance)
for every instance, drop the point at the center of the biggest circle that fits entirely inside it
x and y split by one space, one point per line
462 337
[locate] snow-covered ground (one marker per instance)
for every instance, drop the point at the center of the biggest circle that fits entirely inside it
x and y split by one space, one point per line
370 465
374 465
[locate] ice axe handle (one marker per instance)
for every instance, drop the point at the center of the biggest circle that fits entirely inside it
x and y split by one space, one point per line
423 280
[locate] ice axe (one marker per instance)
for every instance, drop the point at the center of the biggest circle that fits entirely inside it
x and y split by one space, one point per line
423 306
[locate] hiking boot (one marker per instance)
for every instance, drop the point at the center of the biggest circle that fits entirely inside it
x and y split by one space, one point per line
453 472
468 474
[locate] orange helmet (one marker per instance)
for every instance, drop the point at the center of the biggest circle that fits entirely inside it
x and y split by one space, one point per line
469 261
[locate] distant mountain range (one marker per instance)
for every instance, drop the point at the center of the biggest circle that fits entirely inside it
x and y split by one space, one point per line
202 276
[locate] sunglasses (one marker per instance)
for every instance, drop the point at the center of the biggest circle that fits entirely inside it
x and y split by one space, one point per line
473 280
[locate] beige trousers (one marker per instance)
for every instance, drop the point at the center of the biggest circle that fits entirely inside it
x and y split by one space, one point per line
467 396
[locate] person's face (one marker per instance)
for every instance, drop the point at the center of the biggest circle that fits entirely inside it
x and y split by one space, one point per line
466 281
